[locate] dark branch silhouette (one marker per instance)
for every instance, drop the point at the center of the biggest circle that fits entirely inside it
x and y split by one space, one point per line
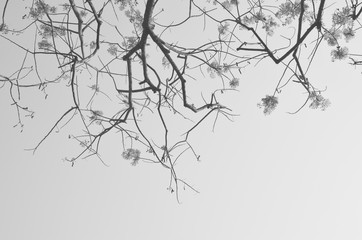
137 62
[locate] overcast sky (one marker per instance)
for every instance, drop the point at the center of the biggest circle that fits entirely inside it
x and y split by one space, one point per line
260 177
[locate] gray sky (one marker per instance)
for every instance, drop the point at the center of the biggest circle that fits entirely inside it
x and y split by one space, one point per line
260 177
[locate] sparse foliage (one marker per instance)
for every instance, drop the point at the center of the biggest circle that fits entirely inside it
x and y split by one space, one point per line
141 71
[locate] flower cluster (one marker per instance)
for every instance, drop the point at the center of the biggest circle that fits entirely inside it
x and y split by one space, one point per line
340 53
124 3
48 31
96 116
132 154
342 17
268 22
165 62
234 83
44 45
223 28
3 28
318 101
112 49
214 68
129 42
40 8
290 10
269 103
332 36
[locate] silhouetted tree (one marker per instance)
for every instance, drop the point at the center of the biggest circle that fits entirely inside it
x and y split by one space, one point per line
128 63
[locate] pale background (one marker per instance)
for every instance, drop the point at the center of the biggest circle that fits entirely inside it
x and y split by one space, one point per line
277 177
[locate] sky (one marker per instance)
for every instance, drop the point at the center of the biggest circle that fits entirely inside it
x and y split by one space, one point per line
280 176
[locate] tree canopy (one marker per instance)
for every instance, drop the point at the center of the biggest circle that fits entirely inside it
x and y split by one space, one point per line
152 71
